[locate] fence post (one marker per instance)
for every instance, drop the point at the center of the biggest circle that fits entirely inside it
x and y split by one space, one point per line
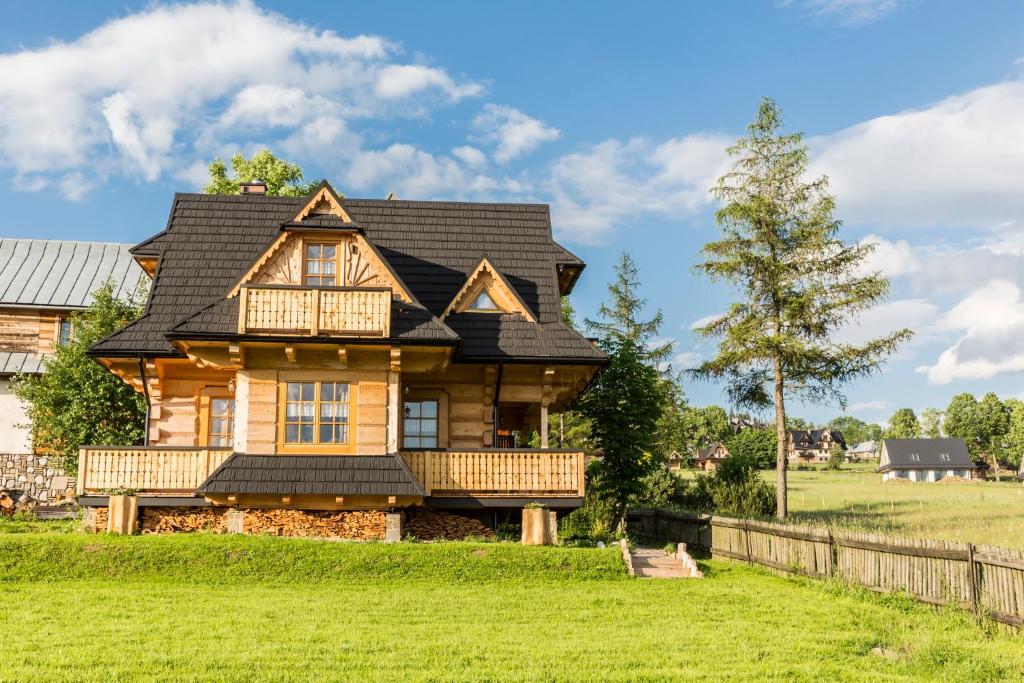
972 579
833 551
746 533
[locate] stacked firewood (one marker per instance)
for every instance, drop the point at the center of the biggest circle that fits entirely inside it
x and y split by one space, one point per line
352 525
14 501
426 524
165 520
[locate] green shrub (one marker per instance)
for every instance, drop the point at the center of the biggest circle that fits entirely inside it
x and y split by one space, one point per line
590 523
735 489
661 489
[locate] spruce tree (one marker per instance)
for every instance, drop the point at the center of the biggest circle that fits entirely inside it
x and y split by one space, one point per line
621 318
796 282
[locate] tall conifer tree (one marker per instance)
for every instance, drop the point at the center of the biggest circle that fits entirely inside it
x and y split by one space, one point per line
797 283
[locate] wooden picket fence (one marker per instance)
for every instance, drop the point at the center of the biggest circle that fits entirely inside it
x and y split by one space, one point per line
984 579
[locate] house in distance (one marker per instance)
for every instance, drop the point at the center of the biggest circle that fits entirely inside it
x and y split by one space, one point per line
325 353
709 457
812 445
925 460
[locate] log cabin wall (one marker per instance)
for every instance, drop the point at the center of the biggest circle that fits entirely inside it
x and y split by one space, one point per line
29 331
175 396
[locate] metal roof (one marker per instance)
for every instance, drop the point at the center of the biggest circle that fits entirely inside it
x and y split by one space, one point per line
62 273
925 454
12 363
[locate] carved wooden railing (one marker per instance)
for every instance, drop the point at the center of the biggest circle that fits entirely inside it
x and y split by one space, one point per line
499 472
150 469
285 309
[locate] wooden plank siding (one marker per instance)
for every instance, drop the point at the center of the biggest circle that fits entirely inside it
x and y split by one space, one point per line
29 331
497 472
146 469
313 311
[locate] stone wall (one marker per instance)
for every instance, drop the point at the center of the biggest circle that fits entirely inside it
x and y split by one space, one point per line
34 474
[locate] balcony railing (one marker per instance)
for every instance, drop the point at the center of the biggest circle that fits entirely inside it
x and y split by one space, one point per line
343 311
498 472
152 469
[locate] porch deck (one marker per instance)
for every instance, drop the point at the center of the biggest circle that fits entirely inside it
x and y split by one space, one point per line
486 473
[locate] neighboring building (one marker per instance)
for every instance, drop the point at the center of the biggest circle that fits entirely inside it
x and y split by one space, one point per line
737 423
865 450
925 460
284 336
676 461
812 445
42 283
709 458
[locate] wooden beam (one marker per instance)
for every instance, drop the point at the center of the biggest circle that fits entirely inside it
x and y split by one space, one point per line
543 425
286 500
343 356
237 355
392 500
290 353
396 359
340 500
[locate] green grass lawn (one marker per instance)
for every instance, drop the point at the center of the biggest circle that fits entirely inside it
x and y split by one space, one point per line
95 608
855 497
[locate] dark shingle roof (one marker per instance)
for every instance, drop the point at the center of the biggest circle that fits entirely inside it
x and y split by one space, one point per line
925 454
332 475
811 438
211 240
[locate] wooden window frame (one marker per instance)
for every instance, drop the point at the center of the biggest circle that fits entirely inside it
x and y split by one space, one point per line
426 394
338 261
61 319
347 448
204 398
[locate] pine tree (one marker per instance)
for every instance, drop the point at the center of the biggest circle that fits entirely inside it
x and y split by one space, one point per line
621 320
797 283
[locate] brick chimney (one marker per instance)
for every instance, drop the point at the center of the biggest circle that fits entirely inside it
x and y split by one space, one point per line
257 186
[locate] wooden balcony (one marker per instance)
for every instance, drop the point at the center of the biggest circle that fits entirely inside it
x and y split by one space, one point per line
316 311
151 469
498 473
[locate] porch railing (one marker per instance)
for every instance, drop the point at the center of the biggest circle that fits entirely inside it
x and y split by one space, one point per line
154 469
498 472
285 309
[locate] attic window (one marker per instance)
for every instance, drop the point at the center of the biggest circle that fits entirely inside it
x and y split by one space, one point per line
484 303
915 457
944 457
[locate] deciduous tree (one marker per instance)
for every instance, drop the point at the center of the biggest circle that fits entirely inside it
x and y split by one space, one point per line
76 401
282 177
797 283
903 425
931 423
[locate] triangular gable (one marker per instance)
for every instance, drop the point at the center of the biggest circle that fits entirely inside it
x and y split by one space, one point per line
486 278
323 200
370 261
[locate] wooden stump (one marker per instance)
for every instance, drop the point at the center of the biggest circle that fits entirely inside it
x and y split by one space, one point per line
536 526
122 515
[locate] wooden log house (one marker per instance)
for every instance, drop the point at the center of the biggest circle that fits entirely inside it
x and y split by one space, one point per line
325 353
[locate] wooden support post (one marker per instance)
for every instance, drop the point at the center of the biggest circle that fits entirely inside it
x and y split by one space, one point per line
243 308
392 527
314 313
122 514
543 425
972 578
746 533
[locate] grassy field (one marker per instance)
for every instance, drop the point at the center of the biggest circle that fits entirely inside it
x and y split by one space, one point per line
91 608
855 497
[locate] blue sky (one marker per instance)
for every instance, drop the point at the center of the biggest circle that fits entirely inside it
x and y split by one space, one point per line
615 113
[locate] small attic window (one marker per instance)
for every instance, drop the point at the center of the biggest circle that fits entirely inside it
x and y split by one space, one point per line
484 302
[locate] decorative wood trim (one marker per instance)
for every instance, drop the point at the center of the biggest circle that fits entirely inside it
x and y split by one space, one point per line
257 264
485 277
324 195
237 353
343 356
396 359
289 353
384 269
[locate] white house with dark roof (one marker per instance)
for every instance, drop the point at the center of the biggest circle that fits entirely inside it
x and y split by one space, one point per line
925 460
42 283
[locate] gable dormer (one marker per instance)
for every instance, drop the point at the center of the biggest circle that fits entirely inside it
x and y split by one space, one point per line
486 290
321 246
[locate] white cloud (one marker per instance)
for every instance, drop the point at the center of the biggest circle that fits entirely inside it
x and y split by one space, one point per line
686 360
990 322
469 155
513 132
151 92
846 12
954 163
888 317
596 190
706 320
867 406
